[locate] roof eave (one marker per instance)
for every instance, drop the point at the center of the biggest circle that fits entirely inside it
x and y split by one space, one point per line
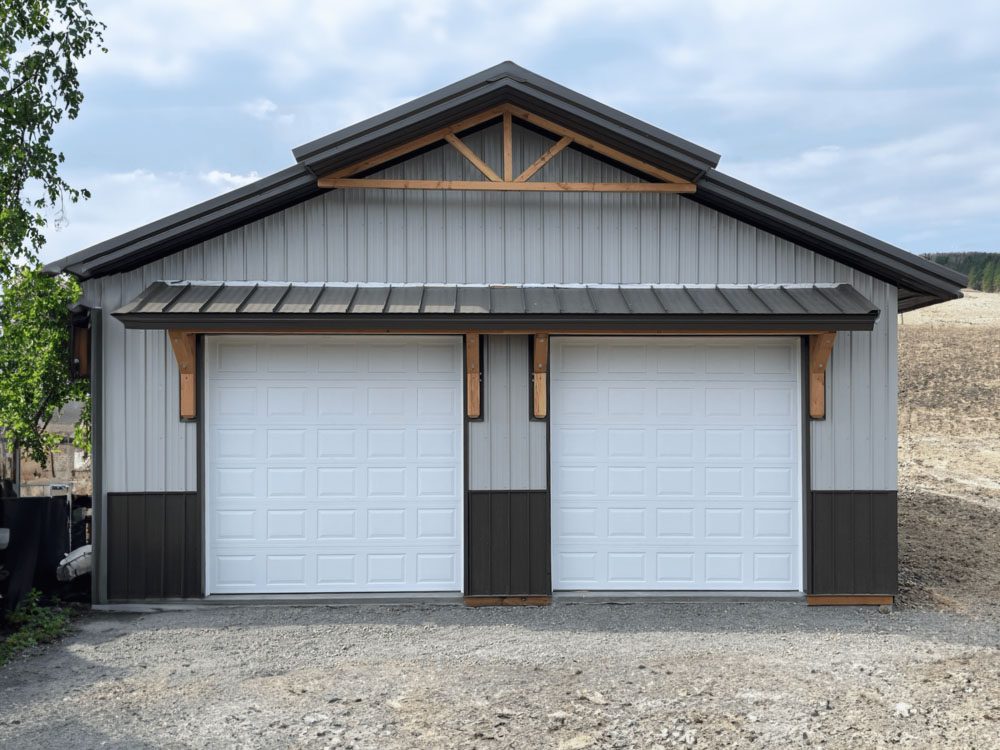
830 238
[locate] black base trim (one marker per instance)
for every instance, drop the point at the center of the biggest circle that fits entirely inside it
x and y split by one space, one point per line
154 545
508 543
853 544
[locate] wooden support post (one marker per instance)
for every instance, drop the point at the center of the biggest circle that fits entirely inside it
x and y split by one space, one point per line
820 347
186 353
473 377
540 376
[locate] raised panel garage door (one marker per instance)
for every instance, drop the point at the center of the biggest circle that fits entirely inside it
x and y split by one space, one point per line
334 464
676 464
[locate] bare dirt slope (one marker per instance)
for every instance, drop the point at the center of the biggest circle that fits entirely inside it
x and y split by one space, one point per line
949 426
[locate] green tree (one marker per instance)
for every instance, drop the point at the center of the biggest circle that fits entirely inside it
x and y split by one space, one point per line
975 278
35 375
41 43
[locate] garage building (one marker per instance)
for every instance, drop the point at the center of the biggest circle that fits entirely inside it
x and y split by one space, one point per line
500 342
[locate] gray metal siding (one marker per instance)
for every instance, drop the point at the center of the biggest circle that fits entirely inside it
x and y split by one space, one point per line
507 450
391 236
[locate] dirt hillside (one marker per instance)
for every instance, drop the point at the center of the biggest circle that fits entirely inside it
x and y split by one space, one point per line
949 455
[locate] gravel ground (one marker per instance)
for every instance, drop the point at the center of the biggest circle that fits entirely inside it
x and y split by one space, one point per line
761 674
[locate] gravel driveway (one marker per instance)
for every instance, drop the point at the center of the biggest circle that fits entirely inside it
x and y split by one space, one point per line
761 674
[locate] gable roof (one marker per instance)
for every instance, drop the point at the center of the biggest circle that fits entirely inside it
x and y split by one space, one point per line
921 282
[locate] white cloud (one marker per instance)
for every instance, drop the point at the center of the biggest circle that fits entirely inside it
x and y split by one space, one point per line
264 109
228 180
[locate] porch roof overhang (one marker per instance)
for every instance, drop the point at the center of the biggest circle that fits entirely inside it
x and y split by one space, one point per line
268 307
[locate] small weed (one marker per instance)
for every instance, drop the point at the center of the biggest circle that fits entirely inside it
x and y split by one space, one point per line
32 623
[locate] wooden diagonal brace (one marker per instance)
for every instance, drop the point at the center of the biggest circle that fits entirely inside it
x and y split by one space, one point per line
473 377
186 353
820 347
540 376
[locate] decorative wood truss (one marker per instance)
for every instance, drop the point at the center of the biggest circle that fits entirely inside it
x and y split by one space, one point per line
662 181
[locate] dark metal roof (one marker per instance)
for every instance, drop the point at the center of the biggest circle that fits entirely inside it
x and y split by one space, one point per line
170 304
921 282
501 84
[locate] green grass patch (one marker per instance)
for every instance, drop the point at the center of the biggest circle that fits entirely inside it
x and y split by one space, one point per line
32 622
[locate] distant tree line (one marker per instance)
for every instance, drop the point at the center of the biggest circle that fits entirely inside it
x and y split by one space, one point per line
983 268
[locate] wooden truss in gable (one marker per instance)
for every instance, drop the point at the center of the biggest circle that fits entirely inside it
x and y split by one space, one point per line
661 181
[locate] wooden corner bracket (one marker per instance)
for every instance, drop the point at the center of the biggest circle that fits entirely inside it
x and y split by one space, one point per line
186 353
540 376
820 348
473 377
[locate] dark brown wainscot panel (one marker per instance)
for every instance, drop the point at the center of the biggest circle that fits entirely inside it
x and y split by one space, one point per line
853 545
507 544
154 545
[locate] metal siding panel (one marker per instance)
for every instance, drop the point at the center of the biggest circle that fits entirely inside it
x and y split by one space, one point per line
174 550
519 457
708 246
193 536
295 243
335 211
214 257
156 432
135 544
670 239
519 547
117 564
539 505
234 255
154 545
253 244
135 395
479 551
499 406
433 167
356 236
727 256
500 552
572 220
688 245
533 240
275 258
376 252
315 239
538 454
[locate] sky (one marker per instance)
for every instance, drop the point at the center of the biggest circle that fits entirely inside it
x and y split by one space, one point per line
882 115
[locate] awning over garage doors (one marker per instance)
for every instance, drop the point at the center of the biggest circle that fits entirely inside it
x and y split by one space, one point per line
439 308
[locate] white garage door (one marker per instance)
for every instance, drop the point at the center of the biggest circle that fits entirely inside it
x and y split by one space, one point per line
334 464
675 464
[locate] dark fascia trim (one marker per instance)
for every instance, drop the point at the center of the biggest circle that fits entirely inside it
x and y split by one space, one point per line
827 237
190 226
504 82
449 323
